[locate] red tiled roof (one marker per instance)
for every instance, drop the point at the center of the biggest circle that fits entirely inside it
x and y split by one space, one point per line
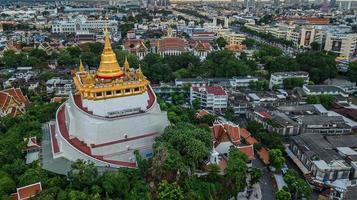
27 192
18 95
223 132
54 142
264 114
215 90
4 99
264 155
202 46
202 113
171 43
248 151
249 139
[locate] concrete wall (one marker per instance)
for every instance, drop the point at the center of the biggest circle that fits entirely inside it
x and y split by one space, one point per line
102 107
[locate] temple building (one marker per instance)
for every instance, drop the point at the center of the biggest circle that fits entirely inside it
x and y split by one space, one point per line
13 102
113 113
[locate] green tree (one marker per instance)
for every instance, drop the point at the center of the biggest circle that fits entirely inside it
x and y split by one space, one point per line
255 175
276 158
208 119
319 65
236 171
82 175
178 98
169 191
283 195
7 185
262 85
249 42
196 104
290 83
90 59
192 143
221 42
229 114
115 184
352 71
315 46
326 100
297 186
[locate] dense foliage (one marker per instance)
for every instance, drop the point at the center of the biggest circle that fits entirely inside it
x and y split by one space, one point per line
297 186
326 100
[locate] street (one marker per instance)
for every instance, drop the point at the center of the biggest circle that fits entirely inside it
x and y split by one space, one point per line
266 183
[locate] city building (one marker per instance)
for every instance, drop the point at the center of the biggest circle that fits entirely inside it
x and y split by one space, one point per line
324 89
233 38
343 44
171 46
326 161
202 49
13 102
82 24
211 97
277 78
33 149
59 87
226 135
96 123
203 36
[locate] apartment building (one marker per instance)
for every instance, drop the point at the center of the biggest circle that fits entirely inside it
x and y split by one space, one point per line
343 44
211 97
277 78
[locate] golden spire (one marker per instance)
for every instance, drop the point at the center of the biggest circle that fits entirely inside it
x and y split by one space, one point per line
108 67
126 67
169 31
126 64
140 73
81 67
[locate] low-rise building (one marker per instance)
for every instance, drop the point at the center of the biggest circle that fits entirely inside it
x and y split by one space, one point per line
324 89
81 24
59 87
211 97
27 192
277 78
202 49
318 124
327 161
13 102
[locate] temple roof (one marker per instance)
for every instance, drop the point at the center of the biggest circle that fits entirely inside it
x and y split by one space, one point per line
108 67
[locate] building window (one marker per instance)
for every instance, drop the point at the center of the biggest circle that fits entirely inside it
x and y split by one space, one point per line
108 93
127 90
118 92
136 89
98 94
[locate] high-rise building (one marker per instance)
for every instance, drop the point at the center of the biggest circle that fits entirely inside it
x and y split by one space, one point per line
343 44
113 113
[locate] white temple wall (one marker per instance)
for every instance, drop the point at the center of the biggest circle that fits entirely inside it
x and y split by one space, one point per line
125 146
93 130
102 107
72 154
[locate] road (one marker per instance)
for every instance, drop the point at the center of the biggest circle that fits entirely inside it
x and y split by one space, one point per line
266 183
288 51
